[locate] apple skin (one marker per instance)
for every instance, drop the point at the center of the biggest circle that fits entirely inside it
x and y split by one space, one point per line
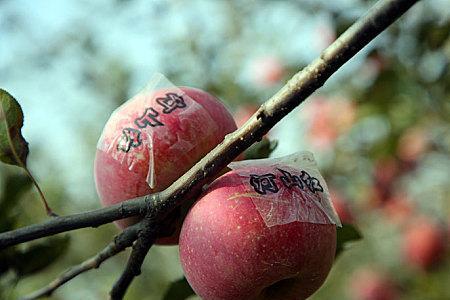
227 251
424 244
177 146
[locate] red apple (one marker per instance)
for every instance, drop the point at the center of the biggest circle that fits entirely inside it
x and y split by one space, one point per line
368 284
228 252
153 139
424 244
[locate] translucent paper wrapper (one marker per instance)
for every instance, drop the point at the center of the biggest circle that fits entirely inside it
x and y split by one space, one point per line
287 189
135 127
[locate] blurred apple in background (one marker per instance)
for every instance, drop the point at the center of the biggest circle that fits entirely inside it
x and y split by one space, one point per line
424 244
243 113
375 64
342 207
386 171
399 208
413 144
329 117
267 71
369 284
325 34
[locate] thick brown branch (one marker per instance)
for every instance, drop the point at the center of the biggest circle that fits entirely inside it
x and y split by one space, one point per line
122 241
303 84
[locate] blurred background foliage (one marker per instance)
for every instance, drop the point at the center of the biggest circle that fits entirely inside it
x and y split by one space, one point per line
379 128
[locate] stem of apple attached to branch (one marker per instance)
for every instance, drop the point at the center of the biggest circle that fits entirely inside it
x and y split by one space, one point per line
157 206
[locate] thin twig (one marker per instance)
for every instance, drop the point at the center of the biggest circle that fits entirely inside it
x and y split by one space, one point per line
122 241
47 207
146 237
303 84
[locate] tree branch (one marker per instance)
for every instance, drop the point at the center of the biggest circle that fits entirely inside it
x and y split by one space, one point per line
94 218
303 84
121 241
146 237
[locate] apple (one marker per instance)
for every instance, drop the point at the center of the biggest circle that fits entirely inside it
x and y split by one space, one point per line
386 171
329 117
373 66
152 140
342 207
267 71
228 251
369 284
413 144
398 209
244 112
325 36
424 244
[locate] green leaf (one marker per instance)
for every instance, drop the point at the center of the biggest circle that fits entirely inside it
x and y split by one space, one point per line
40 256
261 149
179 290
13 147
346 234
15 185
